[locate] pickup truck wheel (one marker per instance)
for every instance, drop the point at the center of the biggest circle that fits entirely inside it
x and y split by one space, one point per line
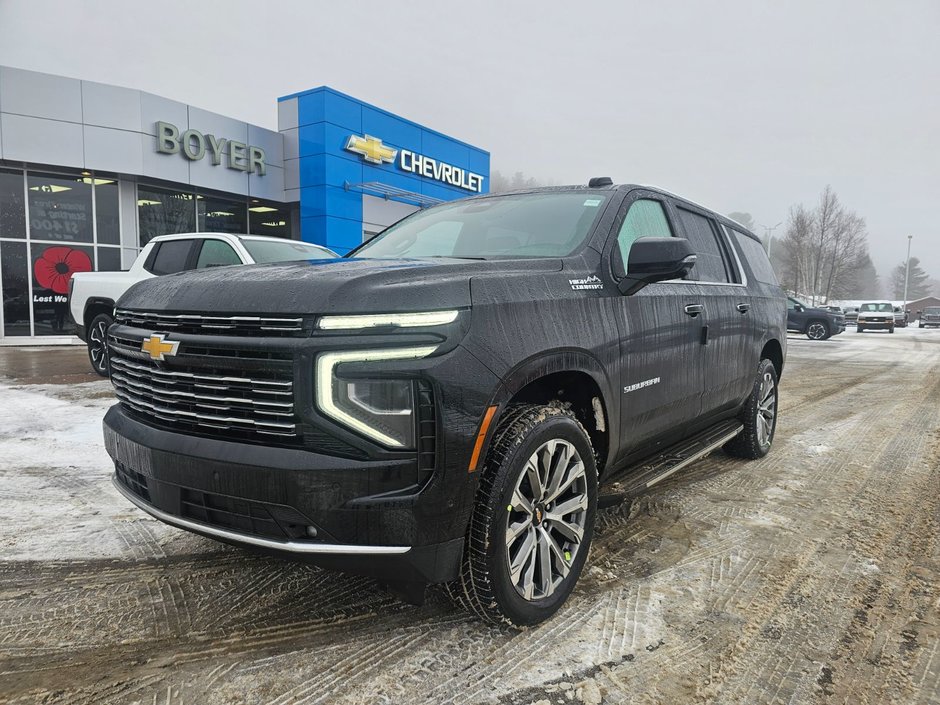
98 343
817 330
759 416
531 527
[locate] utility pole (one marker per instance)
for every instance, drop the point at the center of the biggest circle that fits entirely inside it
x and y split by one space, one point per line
768 233
907 272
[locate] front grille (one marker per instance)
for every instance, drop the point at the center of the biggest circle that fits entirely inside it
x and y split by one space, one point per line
132 480
232 403
212 325
231 513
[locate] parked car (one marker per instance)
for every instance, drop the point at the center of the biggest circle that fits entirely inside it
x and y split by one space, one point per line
92 295
876 315
851 315
900 317
930 316
441 405
817 323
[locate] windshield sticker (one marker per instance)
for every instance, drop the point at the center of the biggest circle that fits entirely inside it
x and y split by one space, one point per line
593 202
592 282
639 385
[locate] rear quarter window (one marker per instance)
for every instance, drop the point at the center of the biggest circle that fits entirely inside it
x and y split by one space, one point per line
752 251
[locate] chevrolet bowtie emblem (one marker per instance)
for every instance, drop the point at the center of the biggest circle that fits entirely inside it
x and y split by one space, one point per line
371 149
157 347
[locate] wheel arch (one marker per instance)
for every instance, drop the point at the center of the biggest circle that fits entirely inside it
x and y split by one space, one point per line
94 306
773 351
570 376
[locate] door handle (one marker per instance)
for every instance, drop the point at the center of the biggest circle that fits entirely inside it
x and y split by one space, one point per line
694 309
744 308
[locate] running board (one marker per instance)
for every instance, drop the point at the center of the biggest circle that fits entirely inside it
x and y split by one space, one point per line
636 479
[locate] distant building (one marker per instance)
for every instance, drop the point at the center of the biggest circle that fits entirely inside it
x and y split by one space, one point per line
915 307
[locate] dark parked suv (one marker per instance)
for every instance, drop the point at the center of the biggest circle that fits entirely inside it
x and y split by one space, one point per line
442 405
816 323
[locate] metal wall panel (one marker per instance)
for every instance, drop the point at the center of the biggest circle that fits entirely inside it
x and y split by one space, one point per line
41 94
117 151
40 141
110 106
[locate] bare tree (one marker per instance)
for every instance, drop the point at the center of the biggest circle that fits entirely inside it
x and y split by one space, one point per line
824 249
745 219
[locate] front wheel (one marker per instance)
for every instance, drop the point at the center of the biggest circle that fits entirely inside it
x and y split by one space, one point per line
531 527
759 416
98 343
817 330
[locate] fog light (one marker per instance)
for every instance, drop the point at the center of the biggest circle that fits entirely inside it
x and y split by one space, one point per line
312 532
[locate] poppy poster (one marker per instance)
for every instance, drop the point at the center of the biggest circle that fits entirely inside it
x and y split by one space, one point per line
53 267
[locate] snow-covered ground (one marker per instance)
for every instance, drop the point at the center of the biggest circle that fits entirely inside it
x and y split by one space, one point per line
58 502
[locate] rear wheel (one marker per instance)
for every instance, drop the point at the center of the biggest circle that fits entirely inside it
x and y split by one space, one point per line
759 416
531 527
98 343
817 330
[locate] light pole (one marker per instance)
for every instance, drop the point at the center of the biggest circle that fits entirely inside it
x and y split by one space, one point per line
907 272
768 231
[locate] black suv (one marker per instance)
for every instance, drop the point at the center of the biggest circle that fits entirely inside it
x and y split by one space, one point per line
441 405
815 323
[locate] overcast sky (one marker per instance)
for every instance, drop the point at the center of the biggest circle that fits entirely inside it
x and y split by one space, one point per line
742 106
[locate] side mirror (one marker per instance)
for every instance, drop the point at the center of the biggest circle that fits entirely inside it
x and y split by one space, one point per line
656 259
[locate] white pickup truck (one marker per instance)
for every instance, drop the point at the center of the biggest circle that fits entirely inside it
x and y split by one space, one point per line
92 295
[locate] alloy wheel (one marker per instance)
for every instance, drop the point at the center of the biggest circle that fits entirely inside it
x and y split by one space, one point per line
816 331
99 347
546 519
766 409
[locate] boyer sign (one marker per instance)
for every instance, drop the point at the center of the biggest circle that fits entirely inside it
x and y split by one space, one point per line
194 145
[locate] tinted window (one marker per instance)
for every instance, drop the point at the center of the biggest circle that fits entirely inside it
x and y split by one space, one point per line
215 253
171 257
710 265
752 251
645 218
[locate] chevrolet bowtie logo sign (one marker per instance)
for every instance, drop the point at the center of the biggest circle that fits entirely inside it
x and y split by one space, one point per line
371 149
157 347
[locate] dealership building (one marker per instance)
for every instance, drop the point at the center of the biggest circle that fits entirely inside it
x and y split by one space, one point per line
90 172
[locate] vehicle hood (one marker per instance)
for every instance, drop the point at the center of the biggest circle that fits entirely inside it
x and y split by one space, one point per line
325 286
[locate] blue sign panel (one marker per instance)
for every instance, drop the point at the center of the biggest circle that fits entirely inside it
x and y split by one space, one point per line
347 147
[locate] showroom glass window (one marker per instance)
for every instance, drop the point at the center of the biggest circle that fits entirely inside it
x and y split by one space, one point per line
268 219
221 215
48 232
164 212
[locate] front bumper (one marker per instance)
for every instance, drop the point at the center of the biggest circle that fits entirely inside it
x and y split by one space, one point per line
269 499
876 324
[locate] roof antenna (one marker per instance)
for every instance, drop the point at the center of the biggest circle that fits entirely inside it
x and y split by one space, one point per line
598 181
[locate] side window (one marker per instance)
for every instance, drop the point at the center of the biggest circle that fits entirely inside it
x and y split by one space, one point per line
645 218
752 251
710 265
216 253
171 257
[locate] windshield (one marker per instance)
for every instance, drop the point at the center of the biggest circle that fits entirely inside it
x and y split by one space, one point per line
522 225
932 310
884 308
263 251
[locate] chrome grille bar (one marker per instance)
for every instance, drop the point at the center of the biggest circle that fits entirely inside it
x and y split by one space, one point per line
195 322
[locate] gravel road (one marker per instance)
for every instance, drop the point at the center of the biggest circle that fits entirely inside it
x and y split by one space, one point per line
812 575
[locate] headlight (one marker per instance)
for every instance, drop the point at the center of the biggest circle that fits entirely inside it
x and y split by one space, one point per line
383 320
380 409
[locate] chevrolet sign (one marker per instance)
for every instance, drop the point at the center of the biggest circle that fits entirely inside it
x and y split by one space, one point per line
372 150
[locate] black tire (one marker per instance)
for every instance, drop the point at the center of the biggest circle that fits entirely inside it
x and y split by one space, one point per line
750 443
920 325
817 329
860 329
98 343
891 330
485 586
